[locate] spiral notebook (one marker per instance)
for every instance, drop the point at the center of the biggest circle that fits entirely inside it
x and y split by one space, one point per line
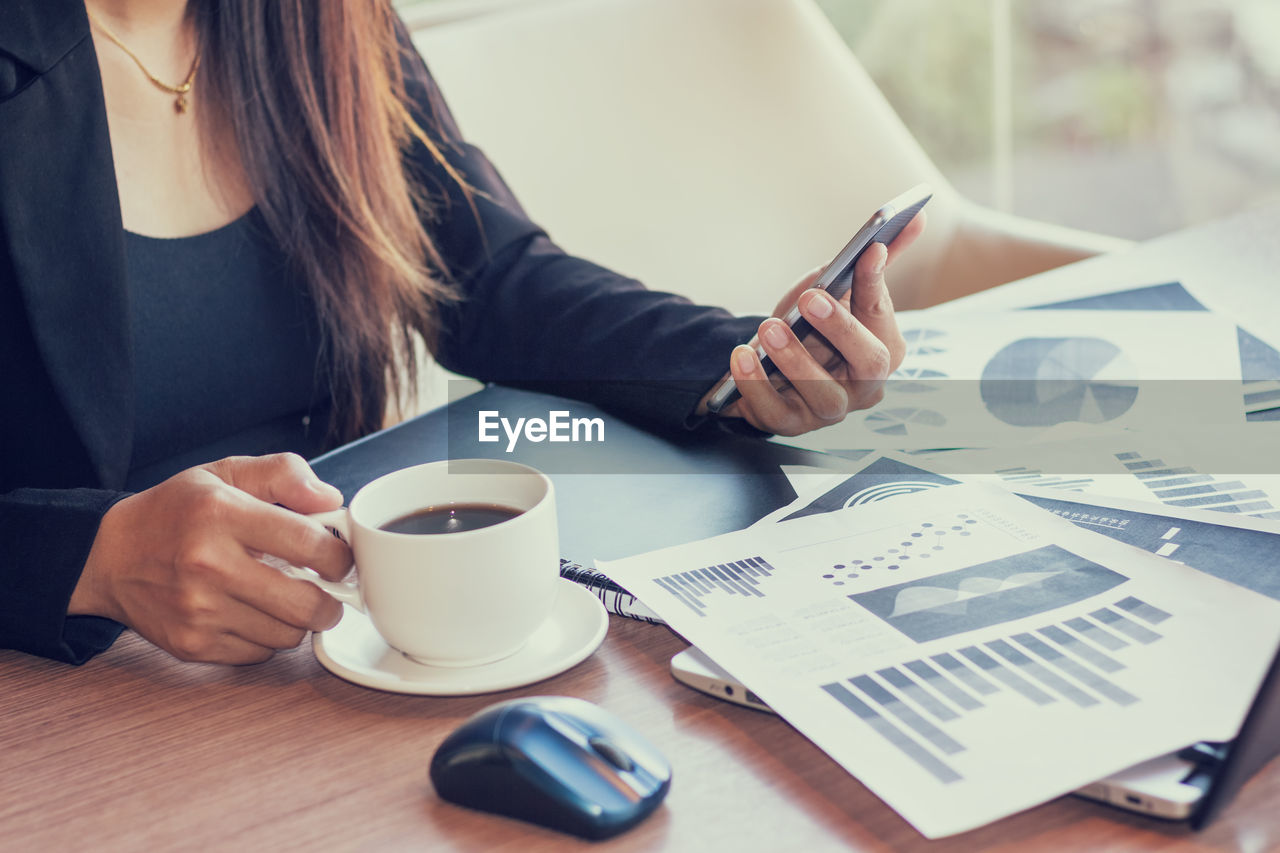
616 600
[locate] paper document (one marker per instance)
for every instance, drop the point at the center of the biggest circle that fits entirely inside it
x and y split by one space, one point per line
1259 360
1237 548
1233 470
963 653
978 380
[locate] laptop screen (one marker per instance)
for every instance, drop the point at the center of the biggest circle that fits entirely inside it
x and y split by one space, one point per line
1257 743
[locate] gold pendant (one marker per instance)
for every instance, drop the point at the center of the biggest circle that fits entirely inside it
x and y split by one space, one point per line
180 105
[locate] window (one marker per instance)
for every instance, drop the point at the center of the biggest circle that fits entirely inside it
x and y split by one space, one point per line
1127 117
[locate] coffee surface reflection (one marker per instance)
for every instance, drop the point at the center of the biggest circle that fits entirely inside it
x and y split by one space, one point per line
451 518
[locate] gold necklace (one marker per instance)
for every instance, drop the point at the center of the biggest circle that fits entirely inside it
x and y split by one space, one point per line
181 90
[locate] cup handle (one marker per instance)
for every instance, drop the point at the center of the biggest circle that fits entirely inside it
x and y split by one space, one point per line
348 593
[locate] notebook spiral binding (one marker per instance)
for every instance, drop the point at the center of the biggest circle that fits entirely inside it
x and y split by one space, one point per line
616 599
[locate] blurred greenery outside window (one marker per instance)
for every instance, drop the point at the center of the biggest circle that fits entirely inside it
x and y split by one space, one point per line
1127 117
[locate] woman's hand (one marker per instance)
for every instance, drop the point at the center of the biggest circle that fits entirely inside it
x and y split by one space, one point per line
826 382
178 562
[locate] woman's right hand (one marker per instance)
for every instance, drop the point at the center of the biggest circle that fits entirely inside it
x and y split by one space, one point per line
178 562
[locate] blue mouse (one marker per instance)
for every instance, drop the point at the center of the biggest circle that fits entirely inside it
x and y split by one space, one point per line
556 761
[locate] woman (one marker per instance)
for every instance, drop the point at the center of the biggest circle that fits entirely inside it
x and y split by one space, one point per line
224 227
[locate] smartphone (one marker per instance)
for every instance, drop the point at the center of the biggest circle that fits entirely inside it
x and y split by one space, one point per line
693 668
836 279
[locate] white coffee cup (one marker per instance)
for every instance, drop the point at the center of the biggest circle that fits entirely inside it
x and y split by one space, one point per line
452 599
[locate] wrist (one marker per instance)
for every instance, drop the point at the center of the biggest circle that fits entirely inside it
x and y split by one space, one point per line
92 593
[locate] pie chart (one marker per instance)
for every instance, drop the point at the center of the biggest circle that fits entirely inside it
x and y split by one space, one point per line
907 380
923 342
1045 381
903 421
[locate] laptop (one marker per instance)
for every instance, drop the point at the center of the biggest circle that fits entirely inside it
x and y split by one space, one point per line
1193 784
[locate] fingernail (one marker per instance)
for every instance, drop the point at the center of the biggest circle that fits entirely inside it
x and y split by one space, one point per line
744 359
323 488
878 266
819 305
774 335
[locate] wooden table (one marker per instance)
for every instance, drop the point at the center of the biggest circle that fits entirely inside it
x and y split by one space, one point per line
138 751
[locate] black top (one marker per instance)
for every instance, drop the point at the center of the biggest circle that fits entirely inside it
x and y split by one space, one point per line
226 292
531 314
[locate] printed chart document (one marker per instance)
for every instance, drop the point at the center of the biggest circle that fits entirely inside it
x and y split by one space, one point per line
963 653
1231 470
1239 548
1259 341
1259 356
978 380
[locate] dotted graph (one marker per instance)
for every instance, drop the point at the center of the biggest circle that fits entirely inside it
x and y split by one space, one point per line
921 543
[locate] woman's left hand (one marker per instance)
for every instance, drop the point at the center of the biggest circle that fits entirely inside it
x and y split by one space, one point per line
832 377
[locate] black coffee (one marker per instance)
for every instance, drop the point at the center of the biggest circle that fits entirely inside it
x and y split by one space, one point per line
451 518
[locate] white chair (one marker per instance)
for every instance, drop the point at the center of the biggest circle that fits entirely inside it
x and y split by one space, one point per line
715 148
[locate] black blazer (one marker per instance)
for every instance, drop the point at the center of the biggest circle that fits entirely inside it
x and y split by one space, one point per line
532 316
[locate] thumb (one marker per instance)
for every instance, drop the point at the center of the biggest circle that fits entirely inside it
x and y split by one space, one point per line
281 478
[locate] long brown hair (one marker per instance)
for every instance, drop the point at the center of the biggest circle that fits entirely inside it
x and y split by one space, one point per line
314 93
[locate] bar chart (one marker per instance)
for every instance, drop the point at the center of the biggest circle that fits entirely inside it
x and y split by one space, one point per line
739 578
1022 476
1076 661
1185 486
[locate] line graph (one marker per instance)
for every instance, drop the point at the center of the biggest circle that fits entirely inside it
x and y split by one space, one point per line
988 593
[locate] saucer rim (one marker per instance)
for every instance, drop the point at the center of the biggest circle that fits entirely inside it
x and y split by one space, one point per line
567 607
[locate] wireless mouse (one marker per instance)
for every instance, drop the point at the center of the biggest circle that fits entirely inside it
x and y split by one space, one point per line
553 760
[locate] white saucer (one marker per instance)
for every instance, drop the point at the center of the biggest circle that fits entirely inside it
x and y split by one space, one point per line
353 650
